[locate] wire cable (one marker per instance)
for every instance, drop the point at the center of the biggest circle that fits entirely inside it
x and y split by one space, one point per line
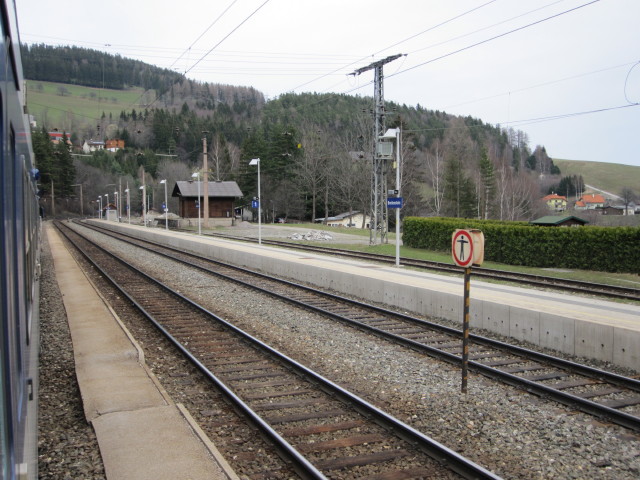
495 37
226 36
203 33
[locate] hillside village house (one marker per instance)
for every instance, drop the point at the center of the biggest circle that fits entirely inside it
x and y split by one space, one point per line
92 145
222 195
114 145
56 137
555 202
590 201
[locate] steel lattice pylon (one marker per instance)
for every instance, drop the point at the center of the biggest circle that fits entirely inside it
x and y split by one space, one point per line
379 174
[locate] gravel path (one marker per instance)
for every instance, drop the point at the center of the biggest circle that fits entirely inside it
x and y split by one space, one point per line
516 435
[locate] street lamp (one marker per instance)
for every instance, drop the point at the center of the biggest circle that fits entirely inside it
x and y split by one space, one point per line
394 134
81 207
128 205
165 206
100 202
117 209
197 175
107 195
256 161
144 209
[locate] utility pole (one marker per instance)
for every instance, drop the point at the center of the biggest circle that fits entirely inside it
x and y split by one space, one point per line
379 210
205 179
53 202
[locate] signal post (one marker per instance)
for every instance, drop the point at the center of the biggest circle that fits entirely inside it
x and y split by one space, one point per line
467 249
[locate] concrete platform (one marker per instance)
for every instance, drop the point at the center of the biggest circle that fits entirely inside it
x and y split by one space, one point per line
575 325
142 434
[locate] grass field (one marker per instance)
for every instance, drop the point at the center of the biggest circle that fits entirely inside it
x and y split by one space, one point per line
620 279
610 177
79 104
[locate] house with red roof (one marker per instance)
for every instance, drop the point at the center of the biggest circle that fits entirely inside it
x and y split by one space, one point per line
590 201
555 202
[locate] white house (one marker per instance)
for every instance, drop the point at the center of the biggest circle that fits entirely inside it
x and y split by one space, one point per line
348 219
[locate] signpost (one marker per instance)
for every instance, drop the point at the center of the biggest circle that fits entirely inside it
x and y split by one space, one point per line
467 248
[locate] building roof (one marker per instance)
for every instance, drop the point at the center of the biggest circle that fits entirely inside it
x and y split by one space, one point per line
341 216
554 196
592 198
555 220
216 189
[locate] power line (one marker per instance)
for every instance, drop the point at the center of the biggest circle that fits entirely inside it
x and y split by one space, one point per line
227 36
487 40
203 33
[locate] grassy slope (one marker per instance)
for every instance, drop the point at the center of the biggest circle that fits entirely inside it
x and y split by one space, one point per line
610 177
85 103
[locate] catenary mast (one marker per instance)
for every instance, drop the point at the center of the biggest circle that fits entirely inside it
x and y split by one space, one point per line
378 179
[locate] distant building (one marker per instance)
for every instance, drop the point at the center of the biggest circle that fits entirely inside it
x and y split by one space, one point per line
348 219
114 145
555 202
590 201
559 221
56 137
92 145
222 196
618 210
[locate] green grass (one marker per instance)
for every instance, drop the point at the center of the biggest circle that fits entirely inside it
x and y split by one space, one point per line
610 177
78 104
618 279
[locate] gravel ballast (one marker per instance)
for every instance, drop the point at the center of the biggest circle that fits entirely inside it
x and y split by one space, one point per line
514 434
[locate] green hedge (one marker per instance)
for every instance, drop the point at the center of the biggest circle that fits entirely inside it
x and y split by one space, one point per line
607 249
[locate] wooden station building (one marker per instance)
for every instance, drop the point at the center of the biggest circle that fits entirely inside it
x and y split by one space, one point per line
222 196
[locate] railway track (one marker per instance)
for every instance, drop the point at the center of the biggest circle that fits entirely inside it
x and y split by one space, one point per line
573 286
603 394
322 430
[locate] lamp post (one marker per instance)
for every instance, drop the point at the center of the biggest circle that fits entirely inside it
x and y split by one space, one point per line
81 207
117 209
144 209
166 206
100 203
256 161
107 195
197 175
128 206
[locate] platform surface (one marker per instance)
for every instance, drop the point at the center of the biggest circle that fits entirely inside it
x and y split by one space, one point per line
141 433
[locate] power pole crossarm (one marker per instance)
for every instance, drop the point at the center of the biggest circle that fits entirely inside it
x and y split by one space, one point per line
379 63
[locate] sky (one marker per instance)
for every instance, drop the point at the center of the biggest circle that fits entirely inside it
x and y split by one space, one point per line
565 72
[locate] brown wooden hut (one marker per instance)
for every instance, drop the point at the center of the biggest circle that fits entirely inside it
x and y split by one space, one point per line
221 198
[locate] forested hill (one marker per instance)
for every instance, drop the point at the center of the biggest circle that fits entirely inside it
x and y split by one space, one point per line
92 68
309 143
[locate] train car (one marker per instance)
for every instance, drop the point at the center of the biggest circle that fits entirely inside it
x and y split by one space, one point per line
19 266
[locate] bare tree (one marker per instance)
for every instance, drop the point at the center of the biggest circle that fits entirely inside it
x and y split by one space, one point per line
628 197
172 172
311 166
435 171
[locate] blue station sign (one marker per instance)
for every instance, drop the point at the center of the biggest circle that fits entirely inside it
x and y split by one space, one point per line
395 202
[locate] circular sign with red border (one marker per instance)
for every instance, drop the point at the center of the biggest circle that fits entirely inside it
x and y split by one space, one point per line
462 248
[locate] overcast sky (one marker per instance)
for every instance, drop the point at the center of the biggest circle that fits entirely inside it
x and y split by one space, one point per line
566 72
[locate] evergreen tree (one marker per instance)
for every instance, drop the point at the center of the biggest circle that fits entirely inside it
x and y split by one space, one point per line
487 185
459 196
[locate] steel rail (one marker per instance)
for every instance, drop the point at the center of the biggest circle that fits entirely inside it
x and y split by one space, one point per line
436 450
585 405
